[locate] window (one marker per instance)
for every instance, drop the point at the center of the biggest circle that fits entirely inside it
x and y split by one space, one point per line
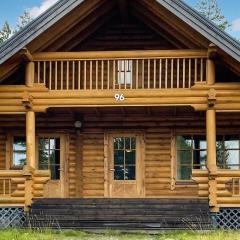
124 71
191 154
124 158
228 155
19 152
49 156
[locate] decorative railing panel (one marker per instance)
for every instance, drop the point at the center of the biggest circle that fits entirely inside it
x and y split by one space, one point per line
158 70
7 187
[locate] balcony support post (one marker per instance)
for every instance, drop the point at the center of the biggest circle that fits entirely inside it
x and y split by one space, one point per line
211 78
29 74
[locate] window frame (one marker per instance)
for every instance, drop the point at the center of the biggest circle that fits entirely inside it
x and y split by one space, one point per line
127 69
176 150
10 151
231 149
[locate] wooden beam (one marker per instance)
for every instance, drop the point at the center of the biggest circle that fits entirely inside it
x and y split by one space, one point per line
30 139
186 53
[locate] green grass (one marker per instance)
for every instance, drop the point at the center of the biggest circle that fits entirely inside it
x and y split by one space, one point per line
115 235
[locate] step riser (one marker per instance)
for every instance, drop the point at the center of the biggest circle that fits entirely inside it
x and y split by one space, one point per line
120 213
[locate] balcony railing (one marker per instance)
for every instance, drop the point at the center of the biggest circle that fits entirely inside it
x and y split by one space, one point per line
120 70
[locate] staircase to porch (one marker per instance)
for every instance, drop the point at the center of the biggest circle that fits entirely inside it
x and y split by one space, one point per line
126 214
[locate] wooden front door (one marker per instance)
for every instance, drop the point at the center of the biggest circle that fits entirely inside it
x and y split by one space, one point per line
125 166
51 157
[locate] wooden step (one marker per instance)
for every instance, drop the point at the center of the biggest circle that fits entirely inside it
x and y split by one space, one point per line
120 213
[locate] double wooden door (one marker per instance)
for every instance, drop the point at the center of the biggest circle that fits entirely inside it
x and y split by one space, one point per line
124 167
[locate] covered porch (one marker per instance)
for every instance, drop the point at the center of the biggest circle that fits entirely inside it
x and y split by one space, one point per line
120 152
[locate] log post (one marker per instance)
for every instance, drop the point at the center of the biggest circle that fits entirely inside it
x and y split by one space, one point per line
212 158
29 74
30 139
211 65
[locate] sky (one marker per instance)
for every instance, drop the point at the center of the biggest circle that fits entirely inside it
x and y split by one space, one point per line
10 10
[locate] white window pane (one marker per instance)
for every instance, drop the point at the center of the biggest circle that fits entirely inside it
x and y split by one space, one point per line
19 159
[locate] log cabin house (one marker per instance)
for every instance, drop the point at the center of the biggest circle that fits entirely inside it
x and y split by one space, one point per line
128 108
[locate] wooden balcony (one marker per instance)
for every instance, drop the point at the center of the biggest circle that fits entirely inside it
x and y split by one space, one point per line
166 69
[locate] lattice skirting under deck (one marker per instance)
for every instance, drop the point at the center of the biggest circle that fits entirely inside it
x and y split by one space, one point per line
12 217
227 218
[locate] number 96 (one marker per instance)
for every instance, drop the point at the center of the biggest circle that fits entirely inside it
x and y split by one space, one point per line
119 97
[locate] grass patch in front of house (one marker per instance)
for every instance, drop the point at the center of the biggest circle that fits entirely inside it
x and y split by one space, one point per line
14 234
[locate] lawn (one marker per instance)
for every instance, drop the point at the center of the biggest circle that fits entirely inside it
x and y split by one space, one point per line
114 235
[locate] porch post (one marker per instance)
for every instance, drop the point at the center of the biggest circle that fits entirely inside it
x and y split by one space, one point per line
30 139
211 135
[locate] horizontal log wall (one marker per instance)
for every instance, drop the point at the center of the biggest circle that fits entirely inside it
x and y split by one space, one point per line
85 161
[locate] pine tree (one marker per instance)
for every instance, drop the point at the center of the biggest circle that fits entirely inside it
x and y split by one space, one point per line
211 10
23 21
5 32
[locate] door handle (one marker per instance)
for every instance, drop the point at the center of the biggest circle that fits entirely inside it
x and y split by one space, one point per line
60 169
112 169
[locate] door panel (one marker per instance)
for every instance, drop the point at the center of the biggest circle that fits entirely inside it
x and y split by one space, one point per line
125 165
50 157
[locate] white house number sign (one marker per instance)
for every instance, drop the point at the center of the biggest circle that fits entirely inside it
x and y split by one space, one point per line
119 97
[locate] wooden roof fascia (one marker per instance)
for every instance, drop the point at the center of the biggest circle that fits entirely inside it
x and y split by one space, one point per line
36 27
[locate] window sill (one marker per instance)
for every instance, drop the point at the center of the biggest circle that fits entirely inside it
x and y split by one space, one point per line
185 184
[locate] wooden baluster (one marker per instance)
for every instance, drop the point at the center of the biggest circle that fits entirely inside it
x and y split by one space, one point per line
137 74
102 72
125 73
196 71
201 70
67 75
238 186
143 74
50 75
160 73
91 75
172 64
166 73
178 73
56 74
184 72
79 75
114 74
4 187
154 73
38 72
108 74
189 72
73 75
44 72
131 73
85 75
10 187
149 72
61 75
96 74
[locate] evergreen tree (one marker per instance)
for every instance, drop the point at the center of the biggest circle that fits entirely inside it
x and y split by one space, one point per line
23 21
5 32
211 10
